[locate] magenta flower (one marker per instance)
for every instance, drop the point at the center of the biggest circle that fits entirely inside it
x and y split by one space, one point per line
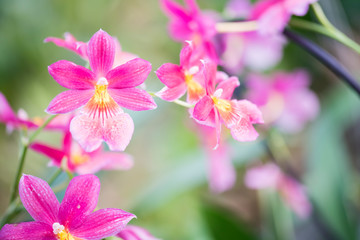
274 15
184 77
269 176
100 93
217 108
284 98
132 232
73 219
71 157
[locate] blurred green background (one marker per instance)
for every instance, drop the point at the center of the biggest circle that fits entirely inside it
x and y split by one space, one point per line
167 188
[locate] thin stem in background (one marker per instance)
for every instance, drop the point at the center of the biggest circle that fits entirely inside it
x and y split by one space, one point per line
325 58
24 148
236 27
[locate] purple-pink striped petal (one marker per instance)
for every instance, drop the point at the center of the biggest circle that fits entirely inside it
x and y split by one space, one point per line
72 76
132 232
80 200
38 199
172 94
128 75
27 230
133 99
69 101
171 75
103 223
101 52
6 112
244 131
54 154
203 108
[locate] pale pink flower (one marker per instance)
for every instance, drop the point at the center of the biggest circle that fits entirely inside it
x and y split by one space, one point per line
186 77
217 108
73 219
273 15
284 98
100 92
269 176
69 42
71 157
189 23
132 232
238 8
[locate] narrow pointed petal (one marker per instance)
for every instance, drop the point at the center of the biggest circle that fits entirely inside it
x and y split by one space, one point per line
54 154
106 161
173 9
172 94
171 75
69 101
27 230
6 112
72 76
38 199
185 54
133 99
244 131
101 52
80 200
131 74
132 232
228 86
118 131
103 223
203 108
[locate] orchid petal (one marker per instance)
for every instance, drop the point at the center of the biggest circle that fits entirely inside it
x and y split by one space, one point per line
203 108
263 177
38 199
228 86
27 230
80 200
186 54
244 131
72 76
103 223
101 52
69 101
133 99
132 232
171 94
6 112
131 74
251 110
118 131
171 75
54 154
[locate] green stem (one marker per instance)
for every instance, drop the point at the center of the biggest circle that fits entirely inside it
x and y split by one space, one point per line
24 149
326 28
178 102
55 176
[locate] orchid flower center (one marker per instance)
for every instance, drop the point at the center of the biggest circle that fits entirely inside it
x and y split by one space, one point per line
101 105
222 105
79 159
61 233
194 88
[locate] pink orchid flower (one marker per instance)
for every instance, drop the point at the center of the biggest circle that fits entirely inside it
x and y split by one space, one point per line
21 119
71 157
100 93
69 42
221 172
188 23
132 232
73 219
284 98
269 176
274 15
216 107
184 77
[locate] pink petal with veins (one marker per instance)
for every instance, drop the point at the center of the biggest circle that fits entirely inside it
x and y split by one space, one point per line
130 74
103 223
228 86
72 76
27 230
54 154
203 108
69 101
171 94
80 200
101 52
38 199
171 75
244 131
132 232
133 99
